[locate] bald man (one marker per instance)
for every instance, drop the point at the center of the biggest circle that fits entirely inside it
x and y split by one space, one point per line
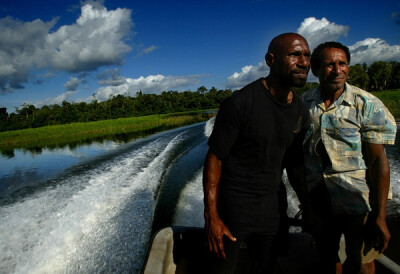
257 133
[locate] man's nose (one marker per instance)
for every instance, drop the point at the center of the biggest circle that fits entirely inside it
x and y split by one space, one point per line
304 61
336 69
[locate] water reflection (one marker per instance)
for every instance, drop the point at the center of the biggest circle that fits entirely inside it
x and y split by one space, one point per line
118 139
27 168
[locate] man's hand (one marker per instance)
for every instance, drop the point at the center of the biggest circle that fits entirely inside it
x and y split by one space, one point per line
215 231
381 235
214 227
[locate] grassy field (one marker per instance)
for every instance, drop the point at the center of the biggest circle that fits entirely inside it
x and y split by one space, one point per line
78 133
391 99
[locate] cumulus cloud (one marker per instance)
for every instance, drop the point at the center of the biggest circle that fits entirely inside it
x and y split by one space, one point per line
95 40
72 84
367 51
98 38
151 84
21 48
247 75
56 100
373 49
111 77
320 31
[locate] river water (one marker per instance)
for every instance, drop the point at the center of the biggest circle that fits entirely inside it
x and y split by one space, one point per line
93 208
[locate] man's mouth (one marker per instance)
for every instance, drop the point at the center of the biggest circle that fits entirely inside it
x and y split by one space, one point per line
300 73
340 79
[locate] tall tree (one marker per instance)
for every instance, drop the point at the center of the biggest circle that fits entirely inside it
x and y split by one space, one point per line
394 81
379 75
358 76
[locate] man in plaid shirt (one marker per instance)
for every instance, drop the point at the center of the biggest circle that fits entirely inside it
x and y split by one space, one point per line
348 174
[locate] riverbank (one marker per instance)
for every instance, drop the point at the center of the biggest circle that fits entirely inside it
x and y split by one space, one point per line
79 133
391 99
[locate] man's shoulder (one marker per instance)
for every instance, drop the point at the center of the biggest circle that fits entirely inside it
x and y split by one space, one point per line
358 92
240 98
255 85
309 96
364 97
246 91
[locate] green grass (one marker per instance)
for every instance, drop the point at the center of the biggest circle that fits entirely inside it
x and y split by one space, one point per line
78 133
391 99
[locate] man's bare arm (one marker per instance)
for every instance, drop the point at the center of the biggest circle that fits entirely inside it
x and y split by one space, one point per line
214 227
379 180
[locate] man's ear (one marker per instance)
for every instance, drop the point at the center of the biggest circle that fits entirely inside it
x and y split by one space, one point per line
269 58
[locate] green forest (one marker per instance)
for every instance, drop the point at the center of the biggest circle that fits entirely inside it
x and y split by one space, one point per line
118 106
378 76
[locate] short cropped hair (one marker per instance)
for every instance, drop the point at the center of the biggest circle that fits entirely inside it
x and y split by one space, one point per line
316 58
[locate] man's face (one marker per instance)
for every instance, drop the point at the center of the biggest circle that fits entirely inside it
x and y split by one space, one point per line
334 69
292 63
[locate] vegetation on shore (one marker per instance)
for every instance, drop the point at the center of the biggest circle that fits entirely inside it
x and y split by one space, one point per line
78 133
118 106
391 99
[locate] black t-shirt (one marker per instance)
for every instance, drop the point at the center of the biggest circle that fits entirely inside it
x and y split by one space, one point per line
251 135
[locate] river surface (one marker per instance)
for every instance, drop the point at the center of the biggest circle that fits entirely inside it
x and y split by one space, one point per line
92 209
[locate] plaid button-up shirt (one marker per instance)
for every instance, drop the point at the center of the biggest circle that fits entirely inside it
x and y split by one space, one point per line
355 117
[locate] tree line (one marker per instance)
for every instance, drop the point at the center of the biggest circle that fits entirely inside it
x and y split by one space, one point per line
119 106
376 77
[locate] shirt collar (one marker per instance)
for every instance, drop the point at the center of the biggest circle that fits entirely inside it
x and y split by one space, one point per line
346 98
348 95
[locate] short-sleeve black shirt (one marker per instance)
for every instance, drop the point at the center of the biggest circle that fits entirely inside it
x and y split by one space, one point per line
251 135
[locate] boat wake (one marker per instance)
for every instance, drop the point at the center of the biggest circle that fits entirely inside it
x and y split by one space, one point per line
98 220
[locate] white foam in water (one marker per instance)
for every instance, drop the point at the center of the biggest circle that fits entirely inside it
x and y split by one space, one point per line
50 231
190 208
209 127
395 184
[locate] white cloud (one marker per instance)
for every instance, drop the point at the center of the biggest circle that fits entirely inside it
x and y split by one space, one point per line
21 48
373 49
98 38
57 100
319 31
247 75
149 49
95 40
151 84
72 84
367 51
111 77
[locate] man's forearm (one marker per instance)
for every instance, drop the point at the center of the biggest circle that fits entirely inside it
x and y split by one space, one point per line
378 174
211 177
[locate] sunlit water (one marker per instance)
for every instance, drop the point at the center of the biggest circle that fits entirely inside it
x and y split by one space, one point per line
97 215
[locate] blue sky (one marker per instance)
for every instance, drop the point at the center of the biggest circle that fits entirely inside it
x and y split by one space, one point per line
76 51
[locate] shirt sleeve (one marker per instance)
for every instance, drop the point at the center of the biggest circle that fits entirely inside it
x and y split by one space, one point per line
226 128
379 125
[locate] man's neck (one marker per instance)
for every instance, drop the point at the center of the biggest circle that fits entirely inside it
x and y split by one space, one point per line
330 96
282 94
